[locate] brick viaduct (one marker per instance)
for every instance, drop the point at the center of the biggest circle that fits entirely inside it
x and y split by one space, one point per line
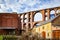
30 17
25 21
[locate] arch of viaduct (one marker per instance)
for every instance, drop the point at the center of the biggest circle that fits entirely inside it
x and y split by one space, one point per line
30 17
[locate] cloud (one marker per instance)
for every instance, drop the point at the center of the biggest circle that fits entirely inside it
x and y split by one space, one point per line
11 2
2 1
27 5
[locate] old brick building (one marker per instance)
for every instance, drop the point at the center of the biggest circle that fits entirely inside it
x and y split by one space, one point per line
9 23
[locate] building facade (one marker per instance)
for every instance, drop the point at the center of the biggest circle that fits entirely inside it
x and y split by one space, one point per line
9 23
49 29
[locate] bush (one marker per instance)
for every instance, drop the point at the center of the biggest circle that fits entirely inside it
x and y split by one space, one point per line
1 37
9 37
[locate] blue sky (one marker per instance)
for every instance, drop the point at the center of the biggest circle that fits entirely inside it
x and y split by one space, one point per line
26 5
21 6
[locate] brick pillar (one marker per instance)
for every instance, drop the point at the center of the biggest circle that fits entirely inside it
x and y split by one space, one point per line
55 11
19 21
31 19
33 16
28 18
48 13
19 24
27 22
23 21
43 15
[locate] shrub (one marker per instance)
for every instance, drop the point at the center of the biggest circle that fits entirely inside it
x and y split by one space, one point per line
9 37
1 37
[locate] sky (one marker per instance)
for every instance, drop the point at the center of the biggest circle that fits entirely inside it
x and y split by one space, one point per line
21 6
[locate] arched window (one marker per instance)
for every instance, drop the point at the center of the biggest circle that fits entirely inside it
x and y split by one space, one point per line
38 17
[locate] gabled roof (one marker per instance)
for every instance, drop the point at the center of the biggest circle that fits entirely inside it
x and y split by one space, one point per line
50 20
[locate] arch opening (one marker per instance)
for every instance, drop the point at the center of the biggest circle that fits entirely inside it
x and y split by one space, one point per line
58 11
21 16
26 15
38 17
25 21
52 14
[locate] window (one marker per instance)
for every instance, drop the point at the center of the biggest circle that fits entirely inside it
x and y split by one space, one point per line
48 34
43 27
39 29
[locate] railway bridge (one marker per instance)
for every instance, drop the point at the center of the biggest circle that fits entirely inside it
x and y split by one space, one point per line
27 18
24 21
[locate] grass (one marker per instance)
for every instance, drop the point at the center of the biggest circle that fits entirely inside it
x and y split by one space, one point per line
1 37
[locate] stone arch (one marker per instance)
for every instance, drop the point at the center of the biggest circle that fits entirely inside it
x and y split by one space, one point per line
25 20
52 14
36 24
58 11
44 34
26 15
38 16
21 16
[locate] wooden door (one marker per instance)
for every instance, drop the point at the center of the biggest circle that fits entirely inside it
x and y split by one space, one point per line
44 34
56 34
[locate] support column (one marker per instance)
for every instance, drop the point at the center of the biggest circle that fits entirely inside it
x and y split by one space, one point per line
19 21
55 11
48 13
19 24
27 22
28 18
33 16
23 21
43 15
31 19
